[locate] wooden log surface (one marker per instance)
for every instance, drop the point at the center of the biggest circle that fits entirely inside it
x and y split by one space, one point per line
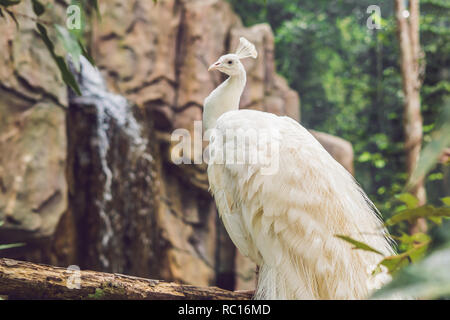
26 280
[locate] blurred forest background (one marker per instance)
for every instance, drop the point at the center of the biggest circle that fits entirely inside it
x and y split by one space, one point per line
349 80
90 182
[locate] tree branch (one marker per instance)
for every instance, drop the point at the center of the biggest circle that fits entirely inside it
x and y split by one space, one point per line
26 280
408 35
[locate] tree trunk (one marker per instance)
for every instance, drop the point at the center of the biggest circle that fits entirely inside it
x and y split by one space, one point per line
408 34
26 280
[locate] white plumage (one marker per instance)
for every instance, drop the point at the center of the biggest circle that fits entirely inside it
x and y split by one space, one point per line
286 221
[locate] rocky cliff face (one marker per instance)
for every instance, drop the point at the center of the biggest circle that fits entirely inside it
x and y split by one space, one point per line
33 188
160 220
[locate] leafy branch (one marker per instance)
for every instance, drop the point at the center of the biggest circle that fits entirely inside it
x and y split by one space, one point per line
358 244
413 247
71 39
418 273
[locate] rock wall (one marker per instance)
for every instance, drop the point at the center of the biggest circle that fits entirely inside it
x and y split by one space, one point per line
33 188
157 57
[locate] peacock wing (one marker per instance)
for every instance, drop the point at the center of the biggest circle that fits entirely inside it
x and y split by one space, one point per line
286 218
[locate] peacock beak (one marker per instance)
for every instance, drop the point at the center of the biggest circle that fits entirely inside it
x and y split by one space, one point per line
214 66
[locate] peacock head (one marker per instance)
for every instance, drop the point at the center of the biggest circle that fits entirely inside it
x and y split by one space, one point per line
230 64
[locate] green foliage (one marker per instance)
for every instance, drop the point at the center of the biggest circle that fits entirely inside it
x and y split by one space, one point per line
416 276
412 212
416 272
99 293
413 249
11 245
446 201
70 43
430 212
66 75
358 244
410 200
428 279
432 151
72 40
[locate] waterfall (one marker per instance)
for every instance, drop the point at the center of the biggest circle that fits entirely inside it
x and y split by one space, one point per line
111 150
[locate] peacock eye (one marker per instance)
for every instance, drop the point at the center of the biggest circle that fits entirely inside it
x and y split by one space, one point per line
230 62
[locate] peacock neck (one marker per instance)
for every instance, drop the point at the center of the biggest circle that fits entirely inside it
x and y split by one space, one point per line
224 98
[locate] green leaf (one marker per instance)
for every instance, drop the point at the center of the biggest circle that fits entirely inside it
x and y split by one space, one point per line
400 208
427 211
408 199
66 75
73 45
7 3
395 263
86 53
435 176
436 220
428 279
11 245
364 157
358 244
70 43
2 223
38 7
446 201
99 293
379 163
414 254
407 242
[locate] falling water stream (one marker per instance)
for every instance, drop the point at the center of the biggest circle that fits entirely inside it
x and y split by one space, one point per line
115 122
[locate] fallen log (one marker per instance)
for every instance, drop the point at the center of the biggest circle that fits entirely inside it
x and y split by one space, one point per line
26 280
